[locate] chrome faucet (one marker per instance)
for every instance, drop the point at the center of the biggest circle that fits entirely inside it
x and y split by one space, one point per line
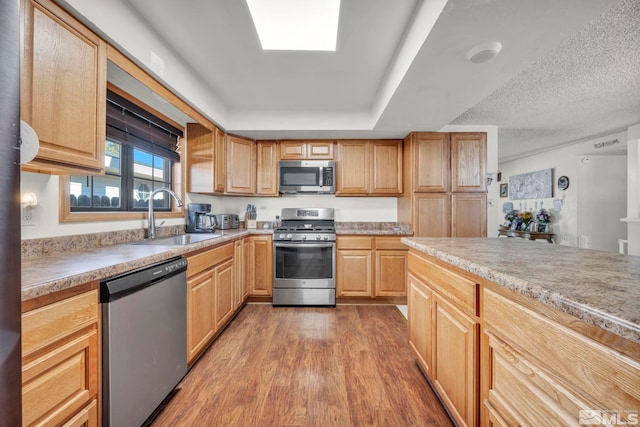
151 234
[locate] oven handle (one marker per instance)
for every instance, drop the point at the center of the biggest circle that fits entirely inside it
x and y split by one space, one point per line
304 245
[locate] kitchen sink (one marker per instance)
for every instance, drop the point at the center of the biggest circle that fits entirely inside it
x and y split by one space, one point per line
181 240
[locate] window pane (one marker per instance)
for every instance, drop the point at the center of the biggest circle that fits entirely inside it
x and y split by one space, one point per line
112 158
106 191
142 164
142 189
80 189
161 168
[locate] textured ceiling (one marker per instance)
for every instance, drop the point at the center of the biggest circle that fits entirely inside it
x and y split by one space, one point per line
588 86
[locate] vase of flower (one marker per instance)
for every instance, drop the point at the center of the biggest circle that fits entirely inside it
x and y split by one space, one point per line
543 218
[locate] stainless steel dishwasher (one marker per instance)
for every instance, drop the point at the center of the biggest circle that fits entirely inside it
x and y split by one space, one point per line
144 340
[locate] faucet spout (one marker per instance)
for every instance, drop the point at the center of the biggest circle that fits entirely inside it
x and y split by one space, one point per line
151 233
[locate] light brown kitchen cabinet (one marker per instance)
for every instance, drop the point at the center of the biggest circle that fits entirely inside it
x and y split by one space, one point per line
241 165
468 160
240 261
368 266
267 173
444 330
261 262
541 370
246 253
447 197
306 150
354 266
60 362
455 360
223 276
205 159
210 284
468 215
369 167
63 90
420 303
431 214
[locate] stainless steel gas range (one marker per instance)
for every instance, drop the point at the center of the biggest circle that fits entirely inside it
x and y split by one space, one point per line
304 248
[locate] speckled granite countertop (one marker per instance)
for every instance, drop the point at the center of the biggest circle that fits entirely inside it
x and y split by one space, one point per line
601 288
51 273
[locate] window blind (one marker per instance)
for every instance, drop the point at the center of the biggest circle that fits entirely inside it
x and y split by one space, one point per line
132 125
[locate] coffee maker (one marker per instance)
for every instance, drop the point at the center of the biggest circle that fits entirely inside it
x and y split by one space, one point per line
200 219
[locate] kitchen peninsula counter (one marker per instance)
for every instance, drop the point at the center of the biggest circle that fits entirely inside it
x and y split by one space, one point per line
599 288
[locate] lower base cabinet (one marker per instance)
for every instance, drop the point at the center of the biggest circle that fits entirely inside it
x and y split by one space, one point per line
210 296
497 358
60 362
369 266
261 265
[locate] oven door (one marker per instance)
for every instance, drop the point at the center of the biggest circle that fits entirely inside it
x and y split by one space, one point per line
304 265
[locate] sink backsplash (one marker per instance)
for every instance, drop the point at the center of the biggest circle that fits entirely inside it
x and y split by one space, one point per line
33 248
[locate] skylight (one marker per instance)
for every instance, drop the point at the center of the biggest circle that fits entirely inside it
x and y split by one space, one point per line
296 24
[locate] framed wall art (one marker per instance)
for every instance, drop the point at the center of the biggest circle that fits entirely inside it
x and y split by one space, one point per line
531 185
504 190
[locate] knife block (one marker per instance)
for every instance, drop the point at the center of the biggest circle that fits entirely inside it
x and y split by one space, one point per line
250 223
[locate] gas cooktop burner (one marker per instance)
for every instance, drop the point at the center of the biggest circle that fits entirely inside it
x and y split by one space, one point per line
308 224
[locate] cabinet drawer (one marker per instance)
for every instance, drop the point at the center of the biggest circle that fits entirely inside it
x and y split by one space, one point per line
60 382
355 242
87 417
589 369
210 258
391 243
461 290
48 324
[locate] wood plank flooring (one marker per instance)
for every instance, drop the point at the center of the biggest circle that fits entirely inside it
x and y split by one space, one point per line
302 366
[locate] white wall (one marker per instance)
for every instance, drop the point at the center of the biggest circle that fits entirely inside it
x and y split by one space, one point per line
565 161
633 190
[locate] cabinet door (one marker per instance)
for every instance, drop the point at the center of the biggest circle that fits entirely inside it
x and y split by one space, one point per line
247 267
219 158
239 276
200 312
224 283
262 265
201 166
87 417
431 156
267 184
320 150
455 372
391 271
468 215
293 150
63 90
420 302
353 167
241 165
468 158
431 215
354 273
386 177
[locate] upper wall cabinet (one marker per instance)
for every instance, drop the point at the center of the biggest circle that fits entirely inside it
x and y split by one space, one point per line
205 159
267 173
369 167
63 90
431 154
306 150
468 159
241 165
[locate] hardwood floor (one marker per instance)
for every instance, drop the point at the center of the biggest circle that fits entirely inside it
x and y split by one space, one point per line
301 366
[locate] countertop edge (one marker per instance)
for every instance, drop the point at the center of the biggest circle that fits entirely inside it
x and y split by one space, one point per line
606 321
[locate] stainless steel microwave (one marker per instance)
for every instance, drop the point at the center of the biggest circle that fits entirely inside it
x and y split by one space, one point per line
307 177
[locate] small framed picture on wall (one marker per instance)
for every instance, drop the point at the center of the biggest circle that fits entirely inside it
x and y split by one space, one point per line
504 190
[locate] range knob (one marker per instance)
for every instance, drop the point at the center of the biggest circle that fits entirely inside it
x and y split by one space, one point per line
304 237
318 237
325 237
289 236
281 236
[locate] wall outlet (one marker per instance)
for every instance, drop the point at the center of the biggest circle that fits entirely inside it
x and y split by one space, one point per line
27 216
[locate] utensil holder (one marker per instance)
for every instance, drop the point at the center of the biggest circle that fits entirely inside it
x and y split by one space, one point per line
250 223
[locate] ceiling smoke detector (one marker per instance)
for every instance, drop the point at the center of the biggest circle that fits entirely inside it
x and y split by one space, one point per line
484 52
